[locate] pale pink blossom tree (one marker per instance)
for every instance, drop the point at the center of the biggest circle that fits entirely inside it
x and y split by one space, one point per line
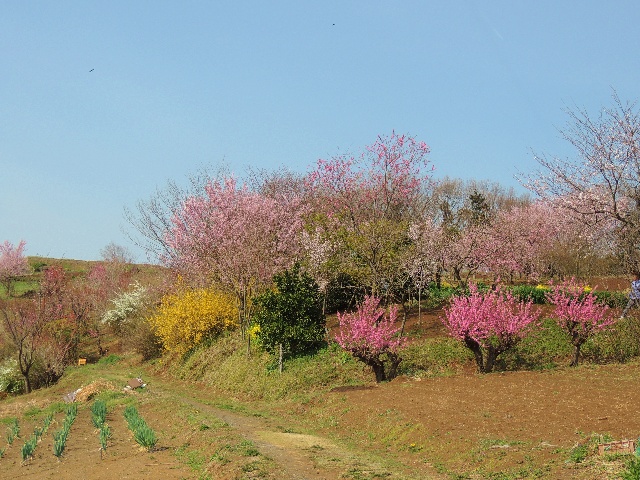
371 336
13 264
601 183
516 240
488 323
234 237
578 313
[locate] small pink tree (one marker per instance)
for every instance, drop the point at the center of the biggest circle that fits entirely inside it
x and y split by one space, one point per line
13 264
488 323
369 335
578 313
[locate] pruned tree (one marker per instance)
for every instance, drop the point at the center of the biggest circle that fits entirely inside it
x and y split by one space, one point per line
578 312
488 323
371 336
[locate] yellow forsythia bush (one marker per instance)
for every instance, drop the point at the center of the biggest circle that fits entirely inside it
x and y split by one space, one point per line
186 318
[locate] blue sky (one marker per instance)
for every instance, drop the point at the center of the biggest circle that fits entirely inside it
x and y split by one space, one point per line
101 103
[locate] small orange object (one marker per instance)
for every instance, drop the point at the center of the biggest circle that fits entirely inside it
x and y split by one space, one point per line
82 361
622 446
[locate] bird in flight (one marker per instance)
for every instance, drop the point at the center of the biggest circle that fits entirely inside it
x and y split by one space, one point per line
91 70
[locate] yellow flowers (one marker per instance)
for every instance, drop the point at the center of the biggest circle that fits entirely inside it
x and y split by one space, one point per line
186 318
586 288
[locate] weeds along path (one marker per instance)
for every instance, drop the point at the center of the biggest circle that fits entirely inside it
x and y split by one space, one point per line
298 456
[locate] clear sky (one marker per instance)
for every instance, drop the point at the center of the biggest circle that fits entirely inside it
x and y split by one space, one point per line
103 102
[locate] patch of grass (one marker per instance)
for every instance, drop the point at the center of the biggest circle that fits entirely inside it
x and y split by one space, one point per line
578 454
54 408
246 448
235 376
545 347
32 412
114 397
619 343
110 359
632 470
434 356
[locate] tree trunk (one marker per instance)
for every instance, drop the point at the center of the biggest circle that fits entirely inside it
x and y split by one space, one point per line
576 356
474 346
378 369
490 360
420 303
394 362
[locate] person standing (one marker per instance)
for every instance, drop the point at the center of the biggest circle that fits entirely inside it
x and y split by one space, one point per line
634 295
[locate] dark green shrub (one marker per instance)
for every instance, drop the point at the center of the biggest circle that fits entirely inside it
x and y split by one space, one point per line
612 299
532 293
343 293
437 297
291 314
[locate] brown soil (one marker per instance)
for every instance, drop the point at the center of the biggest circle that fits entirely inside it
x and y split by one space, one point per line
516 424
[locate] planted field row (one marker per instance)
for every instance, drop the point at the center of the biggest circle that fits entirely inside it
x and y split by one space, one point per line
143 434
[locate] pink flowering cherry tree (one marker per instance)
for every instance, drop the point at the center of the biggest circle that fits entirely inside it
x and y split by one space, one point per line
371 336
488 323
578 313
13 264
234 237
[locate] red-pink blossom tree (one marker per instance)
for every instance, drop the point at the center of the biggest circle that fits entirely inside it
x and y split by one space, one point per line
488 323
13 264
578 313
234 237
371 336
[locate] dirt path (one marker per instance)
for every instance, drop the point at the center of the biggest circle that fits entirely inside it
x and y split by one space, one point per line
298 456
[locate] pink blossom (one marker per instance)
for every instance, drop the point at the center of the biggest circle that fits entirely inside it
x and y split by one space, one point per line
488 323
369 333
578 313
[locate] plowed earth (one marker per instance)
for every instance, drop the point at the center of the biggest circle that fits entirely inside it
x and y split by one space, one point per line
501 426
